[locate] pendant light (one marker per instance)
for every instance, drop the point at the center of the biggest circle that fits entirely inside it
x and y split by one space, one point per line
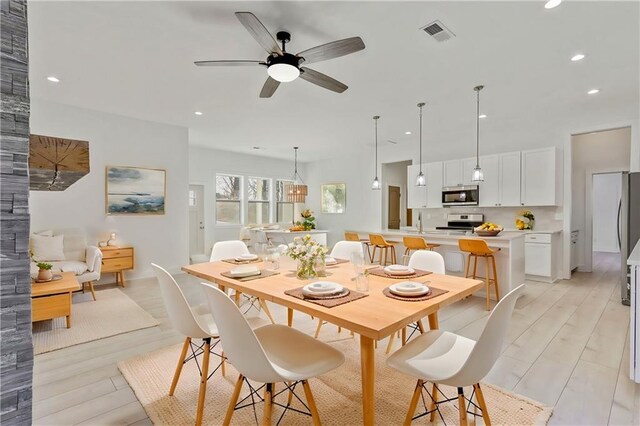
376 182
421 180
296 192
477 175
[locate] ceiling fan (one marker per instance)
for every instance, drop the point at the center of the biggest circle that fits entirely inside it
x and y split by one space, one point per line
283 66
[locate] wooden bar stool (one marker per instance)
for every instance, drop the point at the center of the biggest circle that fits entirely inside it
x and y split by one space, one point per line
378 242
353 236
479 248
416 243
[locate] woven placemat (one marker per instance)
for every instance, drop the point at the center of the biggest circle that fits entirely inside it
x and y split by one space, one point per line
381 273
241 262
327 303
263 274
433 292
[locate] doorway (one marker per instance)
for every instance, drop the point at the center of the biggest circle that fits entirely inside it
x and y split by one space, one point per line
196 219
394 207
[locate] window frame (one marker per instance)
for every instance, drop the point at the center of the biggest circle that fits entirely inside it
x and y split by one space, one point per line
268 201
240 200
278 202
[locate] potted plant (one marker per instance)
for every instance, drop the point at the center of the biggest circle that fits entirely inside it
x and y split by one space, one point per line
309 221
44 271
307 252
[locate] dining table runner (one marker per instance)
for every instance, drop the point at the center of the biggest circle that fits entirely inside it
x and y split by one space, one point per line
263 274
327 303
379 272
433 292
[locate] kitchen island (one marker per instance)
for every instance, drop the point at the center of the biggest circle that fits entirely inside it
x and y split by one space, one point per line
284 236
509 260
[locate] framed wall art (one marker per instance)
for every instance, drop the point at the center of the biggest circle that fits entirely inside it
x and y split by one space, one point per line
333 198
135 191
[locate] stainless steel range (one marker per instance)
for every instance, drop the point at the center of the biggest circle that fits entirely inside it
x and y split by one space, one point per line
462 221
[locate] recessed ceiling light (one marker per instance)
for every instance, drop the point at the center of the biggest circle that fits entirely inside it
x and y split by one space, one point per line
198 113
256 147
578 57
407 133
552 3
53 79
593 91
482 116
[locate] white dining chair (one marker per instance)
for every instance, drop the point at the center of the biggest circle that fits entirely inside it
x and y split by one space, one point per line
229 250
344 249
444 358
269 354
193 326
427 261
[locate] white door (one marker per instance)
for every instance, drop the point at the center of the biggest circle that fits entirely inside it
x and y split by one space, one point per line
490 188
196 219
510 179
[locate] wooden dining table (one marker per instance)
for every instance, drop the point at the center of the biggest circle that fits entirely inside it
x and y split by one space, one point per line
373 317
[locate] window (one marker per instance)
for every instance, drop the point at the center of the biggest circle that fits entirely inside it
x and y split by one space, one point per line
193 199
228 199
284 208
259 196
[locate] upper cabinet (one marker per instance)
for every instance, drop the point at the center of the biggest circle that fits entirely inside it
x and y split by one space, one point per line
434 184
416 195
458 172
501 186
541 177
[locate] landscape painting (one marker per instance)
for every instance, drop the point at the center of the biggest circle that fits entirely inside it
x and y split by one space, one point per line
334 198
134 190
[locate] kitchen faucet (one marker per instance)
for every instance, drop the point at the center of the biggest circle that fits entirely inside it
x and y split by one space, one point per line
419 222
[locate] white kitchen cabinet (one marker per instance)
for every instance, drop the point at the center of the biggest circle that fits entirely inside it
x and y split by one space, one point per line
416 195
540 256
434 184
541 177
458 172
501 186
575 235
510 188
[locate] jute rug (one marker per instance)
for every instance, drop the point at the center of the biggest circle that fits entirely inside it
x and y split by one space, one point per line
337 394
113 313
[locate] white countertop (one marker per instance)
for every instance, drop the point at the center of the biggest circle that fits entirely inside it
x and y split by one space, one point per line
286 231
634 257
444 234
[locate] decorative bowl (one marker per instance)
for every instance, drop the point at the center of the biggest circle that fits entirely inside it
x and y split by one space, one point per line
486 233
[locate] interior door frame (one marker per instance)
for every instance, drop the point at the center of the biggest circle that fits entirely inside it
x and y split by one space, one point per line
205 206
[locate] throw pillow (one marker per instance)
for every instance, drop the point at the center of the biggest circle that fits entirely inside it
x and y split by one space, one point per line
47 248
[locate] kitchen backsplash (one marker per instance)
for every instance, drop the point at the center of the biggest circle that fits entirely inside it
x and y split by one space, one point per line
547 218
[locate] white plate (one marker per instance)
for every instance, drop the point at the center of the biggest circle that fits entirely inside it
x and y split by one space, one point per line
244 271
247 257
330 260
322 288
399 270
409 288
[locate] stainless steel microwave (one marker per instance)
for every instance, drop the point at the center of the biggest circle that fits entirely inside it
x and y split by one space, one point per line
460 195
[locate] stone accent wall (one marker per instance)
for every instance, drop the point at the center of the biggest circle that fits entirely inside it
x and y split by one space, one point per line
15 294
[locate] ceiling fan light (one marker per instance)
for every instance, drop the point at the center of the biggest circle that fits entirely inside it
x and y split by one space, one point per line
376 183
477 175
420 180
283 73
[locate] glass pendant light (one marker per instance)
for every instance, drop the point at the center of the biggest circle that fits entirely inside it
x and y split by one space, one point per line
421 180
296 191
477 175
376 182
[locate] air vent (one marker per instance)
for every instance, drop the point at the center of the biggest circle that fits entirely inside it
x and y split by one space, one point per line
438 31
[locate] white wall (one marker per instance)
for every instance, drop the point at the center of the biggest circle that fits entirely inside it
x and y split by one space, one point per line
607 188
204 163
607 151
117 140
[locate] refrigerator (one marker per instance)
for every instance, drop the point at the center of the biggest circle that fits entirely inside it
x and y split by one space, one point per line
628 228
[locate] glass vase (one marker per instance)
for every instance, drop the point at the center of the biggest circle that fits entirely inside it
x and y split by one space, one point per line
306 269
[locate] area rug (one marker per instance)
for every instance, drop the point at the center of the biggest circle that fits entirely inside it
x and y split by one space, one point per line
113 313
337 394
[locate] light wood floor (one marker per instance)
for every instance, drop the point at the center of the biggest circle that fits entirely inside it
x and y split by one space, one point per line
568 347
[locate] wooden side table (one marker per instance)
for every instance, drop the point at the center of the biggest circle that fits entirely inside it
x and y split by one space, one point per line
117 260
53 299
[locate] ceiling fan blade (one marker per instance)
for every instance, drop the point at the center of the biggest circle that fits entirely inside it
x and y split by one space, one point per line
335 49
322 80
269 87
259 32
231 63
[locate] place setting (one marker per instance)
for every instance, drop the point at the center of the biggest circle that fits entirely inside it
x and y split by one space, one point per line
398 272
412 291
330 261
243 259
325 293
248 273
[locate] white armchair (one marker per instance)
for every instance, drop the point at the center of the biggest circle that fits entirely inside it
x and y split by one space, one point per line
77 257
